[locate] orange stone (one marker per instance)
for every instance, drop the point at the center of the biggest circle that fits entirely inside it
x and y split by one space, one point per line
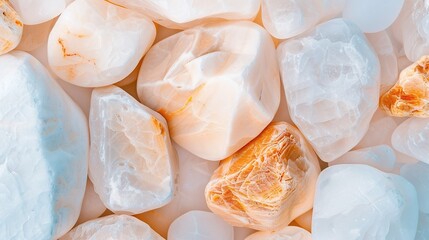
410 95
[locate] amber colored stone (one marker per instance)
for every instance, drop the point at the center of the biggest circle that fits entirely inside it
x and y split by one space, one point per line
267 183
410 96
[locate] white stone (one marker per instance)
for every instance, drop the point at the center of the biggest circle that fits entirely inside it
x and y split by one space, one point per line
132 163
95 43
183 14
418 175
422 228
412 138
372 15
358 202
381 157
11 27
200 225
113 227
216 91
39 11
288 18
331 80
44 148
287 233
92 206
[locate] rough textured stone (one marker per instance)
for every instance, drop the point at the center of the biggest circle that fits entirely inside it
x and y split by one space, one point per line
39 11
331 80
287 233
44 148
358 202
216 91
132 164
11 27
267 183
418 175
95 43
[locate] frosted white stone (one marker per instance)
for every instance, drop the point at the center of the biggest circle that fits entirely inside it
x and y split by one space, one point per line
412 138
200 225
183 14
288 18
113 227
360 202
372 15
287 233
44 148
92 206
39 11
331 80
10 27
132 163
216 91
95 43
418 175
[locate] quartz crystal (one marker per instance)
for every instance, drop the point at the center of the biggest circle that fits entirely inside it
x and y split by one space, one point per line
39 11
183 14
287 233
132 164
199 225
358 202
10 27
418 175
113 227
216 91
92 206
267 183
95 43
410 95
43 149
412 138
331 80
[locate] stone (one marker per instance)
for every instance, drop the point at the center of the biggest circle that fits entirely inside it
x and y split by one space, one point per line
422 228
11 27
132 164
412 138
44 147
113 227
410 95
200 225
418 175
40 11
372 15
92 206
120 36
359 202
267 183
216 91
183 14
381 157
331 79
287 233
289 18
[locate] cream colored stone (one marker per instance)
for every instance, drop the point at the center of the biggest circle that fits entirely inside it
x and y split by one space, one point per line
216 91
95 43
39 11
10 27
287 233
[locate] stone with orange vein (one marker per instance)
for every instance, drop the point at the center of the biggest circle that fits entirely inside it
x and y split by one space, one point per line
11 27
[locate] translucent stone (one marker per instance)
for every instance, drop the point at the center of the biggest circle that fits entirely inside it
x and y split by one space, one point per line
113 227
412 138
188 76
381 157
289 18
267 183
410 95
92 206
360 202
95 43
287 233
372 15
44 148
39 11
34 36
132 164
10 27
183 14
418 175
199 225
331 80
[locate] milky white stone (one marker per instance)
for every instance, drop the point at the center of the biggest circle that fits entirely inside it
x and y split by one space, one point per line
330 77
113 227
95 43
92 206
418 175
44 144
132 162
10 27
287 233
39 11
34 36
216 91
183 14
358 202
288 18
412 138
422 228
200 225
